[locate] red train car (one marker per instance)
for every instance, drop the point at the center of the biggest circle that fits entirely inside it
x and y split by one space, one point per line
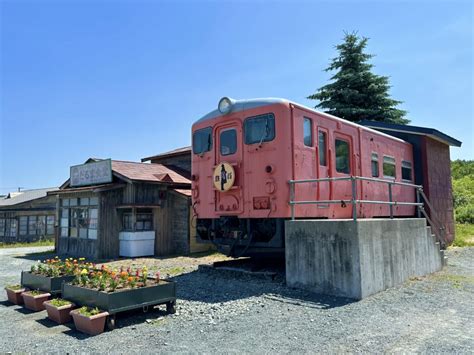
246 152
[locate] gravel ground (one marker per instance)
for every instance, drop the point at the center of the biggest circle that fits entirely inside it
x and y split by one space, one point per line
219 311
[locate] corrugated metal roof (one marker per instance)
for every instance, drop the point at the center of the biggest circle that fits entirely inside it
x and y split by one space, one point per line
16 198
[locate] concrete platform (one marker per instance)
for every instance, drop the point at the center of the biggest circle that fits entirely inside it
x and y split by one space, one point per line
358 258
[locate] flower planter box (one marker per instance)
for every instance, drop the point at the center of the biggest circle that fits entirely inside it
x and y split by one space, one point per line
44 283
92 325
60 314
123 300
35 303
14 296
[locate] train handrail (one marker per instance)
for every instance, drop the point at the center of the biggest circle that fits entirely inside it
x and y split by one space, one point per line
432 219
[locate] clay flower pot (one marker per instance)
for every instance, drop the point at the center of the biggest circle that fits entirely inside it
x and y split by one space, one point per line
35 302
92 325
14 295
59 314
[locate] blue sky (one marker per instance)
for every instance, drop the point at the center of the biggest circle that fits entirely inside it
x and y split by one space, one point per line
126 79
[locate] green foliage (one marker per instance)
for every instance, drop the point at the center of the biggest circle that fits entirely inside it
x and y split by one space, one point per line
14 287
462 168
59 302
355 93
36 292
88 311
40 243
464 235
463 190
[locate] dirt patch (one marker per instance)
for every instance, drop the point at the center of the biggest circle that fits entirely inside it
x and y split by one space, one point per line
168 266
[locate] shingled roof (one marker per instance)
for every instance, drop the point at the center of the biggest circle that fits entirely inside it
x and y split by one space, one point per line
171 153
147 172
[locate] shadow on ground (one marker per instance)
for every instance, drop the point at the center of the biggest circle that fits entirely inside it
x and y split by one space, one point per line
210 285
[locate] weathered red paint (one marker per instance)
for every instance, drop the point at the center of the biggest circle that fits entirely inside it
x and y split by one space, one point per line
288 158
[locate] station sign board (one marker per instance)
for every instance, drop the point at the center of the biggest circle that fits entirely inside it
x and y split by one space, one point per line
94 173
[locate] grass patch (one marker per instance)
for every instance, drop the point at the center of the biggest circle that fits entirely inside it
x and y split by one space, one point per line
456 281
172 271
464 235
39 243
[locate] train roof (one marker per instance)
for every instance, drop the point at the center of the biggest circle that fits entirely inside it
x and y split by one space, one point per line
247 104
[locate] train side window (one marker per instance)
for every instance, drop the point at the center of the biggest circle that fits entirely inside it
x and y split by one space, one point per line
406 170
342 156
308 132
202 140
228 140
389 170
259 129
322 148
375 165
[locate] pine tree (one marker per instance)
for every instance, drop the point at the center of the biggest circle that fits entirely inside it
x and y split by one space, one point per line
355 93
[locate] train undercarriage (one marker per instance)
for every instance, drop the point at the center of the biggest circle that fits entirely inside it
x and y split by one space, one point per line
238 237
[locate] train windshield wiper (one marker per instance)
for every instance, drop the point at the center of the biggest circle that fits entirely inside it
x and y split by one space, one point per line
265 134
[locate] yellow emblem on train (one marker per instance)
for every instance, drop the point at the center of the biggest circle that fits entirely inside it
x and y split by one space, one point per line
224 176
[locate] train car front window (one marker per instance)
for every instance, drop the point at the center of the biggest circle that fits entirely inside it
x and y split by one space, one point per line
228 141
202 140
342 156
259 129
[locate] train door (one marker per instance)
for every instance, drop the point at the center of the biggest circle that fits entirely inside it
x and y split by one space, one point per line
228 159
343 165
324 188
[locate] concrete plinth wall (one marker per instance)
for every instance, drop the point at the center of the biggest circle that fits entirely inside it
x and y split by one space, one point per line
358 258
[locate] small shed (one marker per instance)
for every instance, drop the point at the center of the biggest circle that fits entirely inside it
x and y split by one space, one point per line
105 202
27 216
178 159
432 166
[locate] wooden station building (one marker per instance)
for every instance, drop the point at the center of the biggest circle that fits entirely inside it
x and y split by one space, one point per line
107 202
27 216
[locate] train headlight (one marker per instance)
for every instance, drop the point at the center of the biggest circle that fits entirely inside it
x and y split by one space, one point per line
225 105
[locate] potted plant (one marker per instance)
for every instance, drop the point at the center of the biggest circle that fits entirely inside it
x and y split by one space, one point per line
89 320
50 274
34 299
58 310
14 293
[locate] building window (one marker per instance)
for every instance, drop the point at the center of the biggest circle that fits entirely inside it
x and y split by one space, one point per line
389 167
49 225
202 140
228 140
259 129
79 218
143 222
127 222
375 165
342 156
406 170
23 225
41 225
32 225
308 132
322 148
2 227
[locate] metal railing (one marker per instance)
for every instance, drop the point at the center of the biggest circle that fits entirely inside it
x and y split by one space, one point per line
432 219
